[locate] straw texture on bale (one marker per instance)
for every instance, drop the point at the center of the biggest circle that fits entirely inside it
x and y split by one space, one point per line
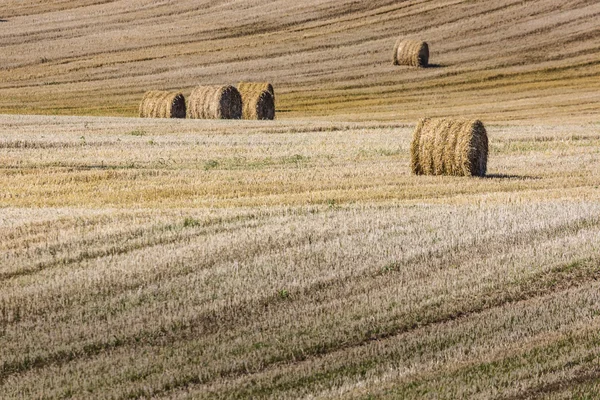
411 52
215 102
449 147
258 101
254 86
162 104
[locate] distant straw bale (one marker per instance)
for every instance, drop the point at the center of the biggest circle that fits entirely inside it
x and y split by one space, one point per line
411 52
258 100
449 147
162 104
215 102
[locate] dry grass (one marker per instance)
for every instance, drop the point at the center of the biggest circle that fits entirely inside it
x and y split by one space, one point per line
162 104
298 258
215 102
288 259
449 147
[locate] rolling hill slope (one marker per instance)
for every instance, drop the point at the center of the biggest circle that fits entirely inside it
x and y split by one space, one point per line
503 60
298 258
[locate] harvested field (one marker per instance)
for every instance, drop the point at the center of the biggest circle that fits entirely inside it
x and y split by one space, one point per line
322 255
494 60
284 259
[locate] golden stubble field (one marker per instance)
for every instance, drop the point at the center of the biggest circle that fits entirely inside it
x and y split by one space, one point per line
298 258
285 259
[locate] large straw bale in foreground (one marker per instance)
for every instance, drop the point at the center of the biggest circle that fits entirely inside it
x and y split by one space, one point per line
258 100
411 52
215 102
449 147
162 104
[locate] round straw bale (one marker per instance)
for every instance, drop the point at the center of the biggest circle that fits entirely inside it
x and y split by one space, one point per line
257 101
449 147
215 102
411 52
162 104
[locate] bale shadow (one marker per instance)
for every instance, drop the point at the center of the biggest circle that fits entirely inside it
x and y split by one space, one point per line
509 176
434 66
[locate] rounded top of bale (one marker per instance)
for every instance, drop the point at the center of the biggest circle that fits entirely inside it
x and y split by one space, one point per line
254 86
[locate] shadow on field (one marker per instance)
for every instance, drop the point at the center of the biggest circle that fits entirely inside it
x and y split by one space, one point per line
434 66
508 176
3 20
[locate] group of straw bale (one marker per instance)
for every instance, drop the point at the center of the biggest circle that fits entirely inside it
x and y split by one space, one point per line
439 146
442 146
250 100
